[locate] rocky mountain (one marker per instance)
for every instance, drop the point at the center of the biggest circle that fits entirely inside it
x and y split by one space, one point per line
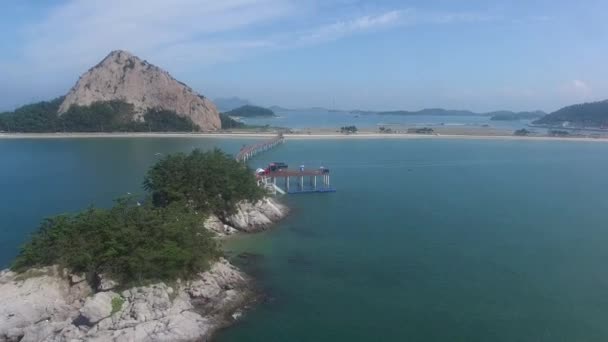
125 77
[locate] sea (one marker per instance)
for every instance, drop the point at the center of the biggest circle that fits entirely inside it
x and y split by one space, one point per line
316 118
424 240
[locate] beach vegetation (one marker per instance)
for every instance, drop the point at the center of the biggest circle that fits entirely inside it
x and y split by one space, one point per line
424 130
522 132
558 133
348 129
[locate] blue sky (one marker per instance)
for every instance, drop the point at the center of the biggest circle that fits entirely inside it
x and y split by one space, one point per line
478 55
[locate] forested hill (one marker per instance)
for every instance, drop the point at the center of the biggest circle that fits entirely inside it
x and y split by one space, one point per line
108 116
593 114
250 111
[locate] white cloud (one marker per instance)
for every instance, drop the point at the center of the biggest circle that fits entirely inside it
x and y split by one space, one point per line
83 31
181 35
581 86
343 28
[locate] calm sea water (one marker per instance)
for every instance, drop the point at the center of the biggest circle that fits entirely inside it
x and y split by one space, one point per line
425 240
303 119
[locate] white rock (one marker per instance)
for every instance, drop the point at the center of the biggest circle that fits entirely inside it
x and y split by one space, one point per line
78 278
98 307
35 296
251 217
106 284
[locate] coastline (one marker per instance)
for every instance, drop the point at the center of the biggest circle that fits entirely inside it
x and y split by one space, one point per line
53 304
315 135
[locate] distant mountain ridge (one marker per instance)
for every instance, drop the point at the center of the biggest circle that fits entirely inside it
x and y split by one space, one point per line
591 114
496 115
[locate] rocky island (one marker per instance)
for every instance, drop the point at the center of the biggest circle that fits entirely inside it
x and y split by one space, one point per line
122 93
146 269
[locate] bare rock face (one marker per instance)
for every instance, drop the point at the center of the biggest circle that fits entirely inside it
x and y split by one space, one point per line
122 76
44 305
249 217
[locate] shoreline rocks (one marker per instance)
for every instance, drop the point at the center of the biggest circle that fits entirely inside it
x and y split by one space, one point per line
50 304
249 218
48 308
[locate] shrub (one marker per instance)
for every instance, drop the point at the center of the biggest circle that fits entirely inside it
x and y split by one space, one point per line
207 181
129 242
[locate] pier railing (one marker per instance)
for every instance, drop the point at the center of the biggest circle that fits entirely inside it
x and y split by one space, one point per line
250 151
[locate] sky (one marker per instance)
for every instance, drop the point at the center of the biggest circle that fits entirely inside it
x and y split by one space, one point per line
346 54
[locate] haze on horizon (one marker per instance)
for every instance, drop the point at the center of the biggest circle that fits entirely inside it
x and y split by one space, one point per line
348 54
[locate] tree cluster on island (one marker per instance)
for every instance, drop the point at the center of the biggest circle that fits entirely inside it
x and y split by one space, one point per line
348 129
162 238
250 111
593 114
522 132
107 116
424 130
558 133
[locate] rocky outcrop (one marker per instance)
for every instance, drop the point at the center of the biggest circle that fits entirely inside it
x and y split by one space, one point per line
249 217
52 305
44 305
122 76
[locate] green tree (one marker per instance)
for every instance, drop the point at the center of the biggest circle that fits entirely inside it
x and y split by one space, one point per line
210 181
129 242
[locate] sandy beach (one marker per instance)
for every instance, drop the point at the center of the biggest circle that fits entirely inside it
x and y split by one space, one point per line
313 135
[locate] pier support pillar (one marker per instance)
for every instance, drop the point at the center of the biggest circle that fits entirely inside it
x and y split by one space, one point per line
328 181
287 183
314 184
301 182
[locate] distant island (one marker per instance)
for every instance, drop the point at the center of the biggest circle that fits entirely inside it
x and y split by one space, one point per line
225 104
592 115
250 111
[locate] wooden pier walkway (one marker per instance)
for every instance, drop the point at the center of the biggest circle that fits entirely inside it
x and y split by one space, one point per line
250 151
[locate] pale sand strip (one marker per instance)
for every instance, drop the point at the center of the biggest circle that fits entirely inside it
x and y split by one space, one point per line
315 136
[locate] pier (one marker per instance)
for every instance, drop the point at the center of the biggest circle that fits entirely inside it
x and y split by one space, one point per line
249 151
306 181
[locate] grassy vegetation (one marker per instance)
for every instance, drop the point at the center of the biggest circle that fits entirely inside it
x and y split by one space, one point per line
117 303
161 239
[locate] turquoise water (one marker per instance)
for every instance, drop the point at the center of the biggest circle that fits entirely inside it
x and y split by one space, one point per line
425 240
